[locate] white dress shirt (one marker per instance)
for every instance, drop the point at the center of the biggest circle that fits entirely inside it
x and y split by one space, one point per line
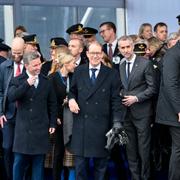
36 81
131 61
97 71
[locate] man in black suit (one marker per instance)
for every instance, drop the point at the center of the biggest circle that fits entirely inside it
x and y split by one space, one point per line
138 88
94 99
108 33
8 69
35 118
168 107
76 47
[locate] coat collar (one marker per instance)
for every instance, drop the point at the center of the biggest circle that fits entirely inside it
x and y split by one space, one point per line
135 67
123 72
41 85
100 78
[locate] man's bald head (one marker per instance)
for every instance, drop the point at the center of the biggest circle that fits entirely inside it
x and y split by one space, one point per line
18 42
17 49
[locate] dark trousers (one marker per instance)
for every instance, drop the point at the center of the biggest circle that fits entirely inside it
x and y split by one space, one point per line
174 165
8 137
21 163
138 148
82 168
58 153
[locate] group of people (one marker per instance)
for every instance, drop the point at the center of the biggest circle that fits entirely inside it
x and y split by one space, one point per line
69 103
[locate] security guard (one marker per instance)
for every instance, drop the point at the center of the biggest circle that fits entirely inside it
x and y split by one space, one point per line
89 35
75 31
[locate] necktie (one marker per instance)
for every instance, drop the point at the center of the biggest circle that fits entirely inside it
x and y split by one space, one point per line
110 54
93 76
128 69
36 82
18 70
64 80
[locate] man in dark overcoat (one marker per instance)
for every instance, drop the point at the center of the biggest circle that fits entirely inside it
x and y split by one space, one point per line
168 107
35 118
8 69
95 101
138 88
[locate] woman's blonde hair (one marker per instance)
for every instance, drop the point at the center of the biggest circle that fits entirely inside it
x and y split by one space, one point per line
64 58
61 53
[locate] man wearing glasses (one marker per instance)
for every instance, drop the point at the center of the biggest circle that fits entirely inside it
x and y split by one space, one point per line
108 33
96 104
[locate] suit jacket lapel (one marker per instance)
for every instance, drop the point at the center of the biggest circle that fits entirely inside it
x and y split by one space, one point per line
135 67
105 48
100 78
116 50
40 86
86 77
123 74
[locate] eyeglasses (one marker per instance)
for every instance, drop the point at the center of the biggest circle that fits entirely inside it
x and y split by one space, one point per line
95 53
100 32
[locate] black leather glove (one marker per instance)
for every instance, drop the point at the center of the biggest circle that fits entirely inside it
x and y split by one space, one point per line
116 135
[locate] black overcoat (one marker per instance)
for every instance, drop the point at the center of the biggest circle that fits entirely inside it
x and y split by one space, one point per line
168 105
36 113
100 105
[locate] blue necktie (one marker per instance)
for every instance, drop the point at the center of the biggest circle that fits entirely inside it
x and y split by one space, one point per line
93 76
128 69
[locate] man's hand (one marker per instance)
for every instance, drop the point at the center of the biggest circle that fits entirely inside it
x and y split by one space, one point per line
58 121
129 100
73 106
65 101
179 117
51 130
31 80
2 120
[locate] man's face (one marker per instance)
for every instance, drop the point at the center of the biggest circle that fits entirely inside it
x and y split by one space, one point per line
74 47
106 33
70 66
4 54
161 33
75 36
34 67
95 55
126 48
17 54
53 53
147 33
30 48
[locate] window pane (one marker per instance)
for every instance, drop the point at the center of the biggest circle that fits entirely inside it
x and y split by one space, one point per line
2 22
97 16
51 21
47 22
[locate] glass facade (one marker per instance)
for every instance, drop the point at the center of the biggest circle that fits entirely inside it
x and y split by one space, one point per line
2 22
51 21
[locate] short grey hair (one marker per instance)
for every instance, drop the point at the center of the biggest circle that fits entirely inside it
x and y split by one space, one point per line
125 38
173 36
29 56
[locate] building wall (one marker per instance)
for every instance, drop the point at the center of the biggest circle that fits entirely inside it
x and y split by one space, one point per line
151 11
